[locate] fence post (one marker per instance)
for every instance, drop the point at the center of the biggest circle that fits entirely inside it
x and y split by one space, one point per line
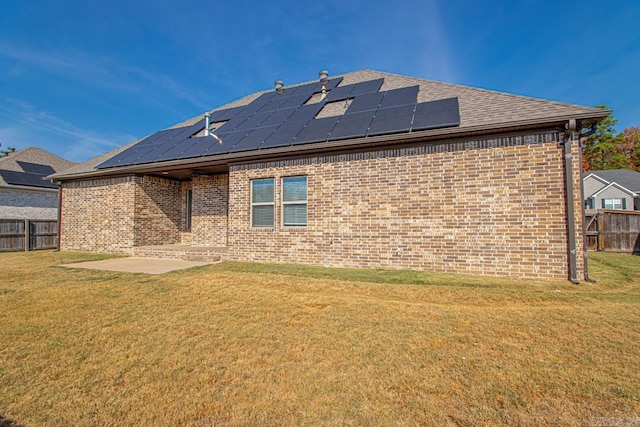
601 230
26 235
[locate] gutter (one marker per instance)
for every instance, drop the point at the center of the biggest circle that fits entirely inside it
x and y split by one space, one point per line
345 144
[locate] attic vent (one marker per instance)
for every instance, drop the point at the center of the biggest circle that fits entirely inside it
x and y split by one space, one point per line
336 108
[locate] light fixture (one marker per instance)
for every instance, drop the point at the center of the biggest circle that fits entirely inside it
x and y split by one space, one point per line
279 86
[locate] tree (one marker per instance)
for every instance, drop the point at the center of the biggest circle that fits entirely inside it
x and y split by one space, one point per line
630 146
603 147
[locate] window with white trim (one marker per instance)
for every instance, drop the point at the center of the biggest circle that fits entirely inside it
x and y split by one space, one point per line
294 201
613 204
262 202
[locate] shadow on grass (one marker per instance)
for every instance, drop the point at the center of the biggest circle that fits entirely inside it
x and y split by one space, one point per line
7 422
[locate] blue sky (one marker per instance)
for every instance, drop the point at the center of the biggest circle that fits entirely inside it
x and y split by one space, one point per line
79 78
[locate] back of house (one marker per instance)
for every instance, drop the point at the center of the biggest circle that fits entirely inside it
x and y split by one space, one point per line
366 169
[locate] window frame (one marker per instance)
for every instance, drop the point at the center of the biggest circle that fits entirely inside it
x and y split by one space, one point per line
254 204
614 201
300 202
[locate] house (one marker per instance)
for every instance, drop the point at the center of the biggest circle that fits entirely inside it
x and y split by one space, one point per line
366 169
24 191
617 189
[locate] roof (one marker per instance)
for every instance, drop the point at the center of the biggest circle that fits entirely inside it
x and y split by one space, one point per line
468 110
28 167
624 177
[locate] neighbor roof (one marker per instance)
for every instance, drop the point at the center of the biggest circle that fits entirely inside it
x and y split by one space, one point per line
28 168
626 178
361 108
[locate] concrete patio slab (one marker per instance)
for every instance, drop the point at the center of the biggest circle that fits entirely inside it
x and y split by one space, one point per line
137 265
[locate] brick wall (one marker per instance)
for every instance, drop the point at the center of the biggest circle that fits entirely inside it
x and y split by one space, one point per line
158 211
97 215
209 217
22 204
114 215
493 207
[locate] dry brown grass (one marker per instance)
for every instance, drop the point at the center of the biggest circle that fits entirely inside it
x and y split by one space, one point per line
247 344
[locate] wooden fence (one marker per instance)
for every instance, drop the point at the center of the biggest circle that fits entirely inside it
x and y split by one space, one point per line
28 235
614 231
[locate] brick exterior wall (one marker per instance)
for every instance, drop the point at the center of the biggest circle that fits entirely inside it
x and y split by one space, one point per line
158 211
97 215
23 204
114 215
209 217
492 207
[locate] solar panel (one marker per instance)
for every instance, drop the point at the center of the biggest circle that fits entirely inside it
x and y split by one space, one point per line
254 139
306 112
284 135
437 114
278 117
275 103
390 120
366 87
399 97
36 168
176 149
253 121
231 125
204 146
252 108
352 125
226 114
25 179
296 100
367 102
330 85
317 130
340 93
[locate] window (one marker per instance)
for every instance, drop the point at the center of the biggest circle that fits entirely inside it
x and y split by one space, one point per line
189 204
262 202
614 204
294 201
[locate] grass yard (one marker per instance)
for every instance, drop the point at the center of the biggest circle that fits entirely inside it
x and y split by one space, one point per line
253 344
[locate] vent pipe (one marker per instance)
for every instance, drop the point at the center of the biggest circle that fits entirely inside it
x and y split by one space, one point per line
207 120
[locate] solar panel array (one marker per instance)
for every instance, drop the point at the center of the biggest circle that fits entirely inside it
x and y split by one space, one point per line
25 178
274 120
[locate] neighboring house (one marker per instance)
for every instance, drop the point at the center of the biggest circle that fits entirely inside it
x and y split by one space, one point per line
374 170
617 189
24 191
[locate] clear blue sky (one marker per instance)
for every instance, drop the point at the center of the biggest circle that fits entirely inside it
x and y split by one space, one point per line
79 78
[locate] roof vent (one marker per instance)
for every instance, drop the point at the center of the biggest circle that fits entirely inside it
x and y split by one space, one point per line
279 86
207 125
11 149
324 79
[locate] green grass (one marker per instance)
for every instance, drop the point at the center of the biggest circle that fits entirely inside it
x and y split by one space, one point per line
265 344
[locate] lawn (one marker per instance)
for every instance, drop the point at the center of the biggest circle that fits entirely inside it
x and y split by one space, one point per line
260 344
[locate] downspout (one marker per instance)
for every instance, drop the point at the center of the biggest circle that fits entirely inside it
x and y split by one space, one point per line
59 216
585 252
568 182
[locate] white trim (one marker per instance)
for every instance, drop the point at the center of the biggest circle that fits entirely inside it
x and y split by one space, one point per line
614 184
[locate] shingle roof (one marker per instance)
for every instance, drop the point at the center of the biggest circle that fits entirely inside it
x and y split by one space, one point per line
33 155
627 178
478 107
